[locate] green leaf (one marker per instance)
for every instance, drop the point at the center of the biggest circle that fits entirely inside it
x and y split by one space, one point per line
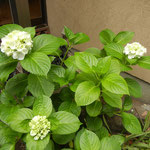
94 109
5 71
70 62
7 66
125 67
123 37
106 36
94 51
89 141
131 123
42 106
19 120
6 98
102 132
6 111
61 41
57 53
28 101
51 58
77 139
118 138
127 105
108 110
67 149
114 67
39 85
147 122
132 61
8 146
63 139
5 29
7 135
85 61
75 84
64 122
50 146
86 93
46 43
134 88
30 30
93 123
66 94
70 74
103 65
80 38
68 33
82 76
144 62
37 145
17 85
57 74
112 99
114 83
36 63
108 143
114 49
70 106
71 68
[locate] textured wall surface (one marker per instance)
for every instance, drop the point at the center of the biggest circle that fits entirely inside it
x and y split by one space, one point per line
92 16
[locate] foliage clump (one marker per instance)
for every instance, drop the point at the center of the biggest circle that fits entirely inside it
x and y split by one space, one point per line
50 106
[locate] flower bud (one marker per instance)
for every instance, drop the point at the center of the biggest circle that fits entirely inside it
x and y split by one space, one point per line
40 127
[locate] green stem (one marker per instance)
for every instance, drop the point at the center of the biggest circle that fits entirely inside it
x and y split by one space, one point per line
117 114
60 58
137 135
104 119
69 47
1 85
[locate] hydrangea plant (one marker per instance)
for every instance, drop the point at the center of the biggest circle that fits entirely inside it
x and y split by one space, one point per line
51 107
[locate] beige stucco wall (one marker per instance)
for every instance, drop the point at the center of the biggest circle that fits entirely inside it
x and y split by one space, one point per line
92 16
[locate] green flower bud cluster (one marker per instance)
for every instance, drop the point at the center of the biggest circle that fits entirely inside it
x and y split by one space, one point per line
40 127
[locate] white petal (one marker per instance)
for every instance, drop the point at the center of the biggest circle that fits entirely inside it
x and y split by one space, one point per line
21 56
32 133
36 138
15 56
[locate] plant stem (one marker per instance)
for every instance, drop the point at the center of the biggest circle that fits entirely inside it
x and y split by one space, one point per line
117 114
69 47
137 135
104 119
1 86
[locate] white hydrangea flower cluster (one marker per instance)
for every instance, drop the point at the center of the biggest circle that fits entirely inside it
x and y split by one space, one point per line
134 50
39 126
16 44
